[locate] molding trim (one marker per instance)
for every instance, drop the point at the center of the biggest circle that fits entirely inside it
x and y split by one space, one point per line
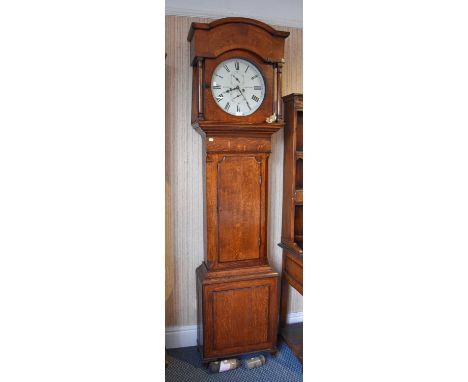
184 336
208 13
181 336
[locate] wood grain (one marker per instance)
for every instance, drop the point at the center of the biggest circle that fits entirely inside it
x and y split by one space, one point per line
185 184
235 311
291 237
239 208
242 313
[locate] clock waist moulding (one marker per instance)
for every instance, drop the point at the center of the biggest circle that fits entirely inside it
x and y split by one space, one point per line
237 290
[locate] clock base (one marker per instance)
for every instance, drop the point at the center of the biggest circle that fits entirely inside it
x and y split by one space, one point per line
237 314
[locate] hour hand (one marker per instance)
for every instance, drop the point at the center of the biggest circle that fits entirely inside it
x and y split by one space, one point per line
236 78
227 91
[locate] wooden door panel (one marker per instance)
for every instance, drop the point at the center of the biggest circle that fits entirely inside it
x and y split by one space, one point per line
240 317
239 208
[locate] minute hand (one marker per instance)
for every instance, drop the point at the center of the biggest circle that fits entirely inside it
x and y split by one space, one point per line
245 99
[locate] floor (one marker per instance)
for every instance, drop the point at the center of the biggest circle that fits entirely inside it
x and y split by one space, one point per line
185 365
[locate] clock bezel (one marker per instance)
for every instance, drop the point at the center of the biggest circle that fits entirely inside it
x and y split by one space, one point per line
265 85
213 112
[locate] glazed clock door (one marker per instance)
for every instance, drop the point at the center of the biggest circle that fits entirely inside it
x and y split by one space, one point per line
240 198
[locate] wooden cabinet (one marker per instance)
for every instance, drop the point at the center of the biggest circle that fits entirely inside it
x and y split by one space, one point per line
238 313
238 292
236 112
291 235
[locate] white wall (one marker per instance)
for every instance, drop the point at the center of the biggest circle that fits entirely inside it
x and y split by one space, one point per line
286 13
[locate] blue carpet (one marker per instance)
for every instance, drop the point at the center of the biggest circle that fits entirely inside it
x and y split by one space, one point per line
185 366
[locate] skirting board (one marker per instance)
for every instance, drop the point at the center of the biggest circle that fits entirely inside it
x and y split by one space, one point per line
184 336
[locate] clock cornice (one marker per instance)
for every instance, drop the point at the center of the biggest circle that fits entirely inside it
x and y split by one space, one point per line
227 20
210 40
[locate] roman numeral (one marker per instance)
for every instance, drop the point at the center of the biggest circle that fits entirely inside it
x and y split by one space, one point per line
238 108
255 98
219 76
248 66
257 88
217 87
219 97
236 64
226 67
227 106
254 77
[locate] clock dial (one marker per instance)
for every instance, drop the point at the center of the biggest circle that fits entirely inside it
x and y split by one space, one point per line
238 87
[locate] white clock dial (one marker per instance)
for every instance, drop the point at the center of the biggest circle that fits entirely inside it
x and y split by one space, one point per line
238 87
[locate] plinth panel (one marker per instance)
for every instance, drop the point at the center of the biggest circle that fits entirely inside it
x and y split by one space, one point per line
235 310
239 316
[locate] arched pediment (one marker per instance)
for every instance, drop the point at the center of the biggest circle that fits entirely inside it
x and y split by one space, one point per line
210 40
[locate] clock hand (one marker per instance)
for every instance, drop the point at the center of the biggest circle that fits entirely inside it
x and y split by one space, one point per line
245 99
228 91
235 78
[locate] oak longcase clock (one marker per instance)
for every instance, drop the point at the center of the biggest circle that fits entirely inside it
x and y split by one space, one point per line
236 107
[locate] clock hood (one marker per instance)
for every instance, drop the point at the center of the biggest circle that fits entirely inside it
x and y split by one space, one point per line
210 40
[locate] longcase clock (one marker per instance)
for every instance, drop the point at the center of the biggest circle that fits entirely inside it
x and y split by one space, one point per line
236 107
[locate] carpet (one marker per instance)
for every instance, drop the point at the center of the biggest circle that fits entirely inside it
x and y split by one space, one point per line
185 365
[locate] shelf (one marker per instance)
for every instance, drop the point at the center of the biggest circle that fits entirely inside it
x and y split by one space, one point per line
299 139
299 171
293 336
292 248
298 213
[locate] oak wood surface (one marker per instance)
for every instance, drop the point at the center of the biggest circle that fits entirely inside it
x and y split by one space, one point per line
292 228
237 144
239 208
213 39
239 308
236 214
239 313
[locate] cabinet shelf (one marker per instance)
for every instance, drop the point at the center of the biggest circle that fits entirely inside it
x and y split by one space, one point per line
298 130
299 179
